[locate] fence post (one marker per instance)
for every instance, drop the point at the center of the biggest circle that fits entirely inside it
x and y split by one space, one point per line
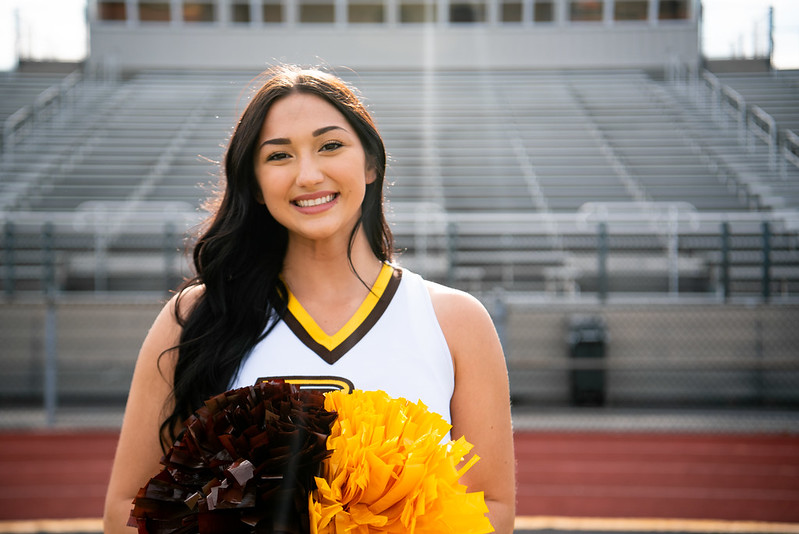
501 318
169 255
758 378
50 326
602 258
674 252
48 260
8 258
766 279
725 260
100 259
452 251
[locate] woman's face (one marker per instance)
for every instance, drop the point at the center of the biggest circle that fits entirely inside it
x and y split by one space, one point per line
311 168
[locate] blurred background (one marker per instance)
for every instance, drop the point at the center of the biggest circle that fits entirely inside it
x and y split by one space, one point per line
617 180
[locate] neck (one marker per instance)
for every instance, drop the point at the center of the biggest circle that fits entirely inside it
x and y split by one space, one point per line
313 268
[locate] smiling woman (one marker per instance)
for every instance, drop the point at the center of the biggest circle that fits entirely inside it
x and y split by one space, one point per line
311 169
296 282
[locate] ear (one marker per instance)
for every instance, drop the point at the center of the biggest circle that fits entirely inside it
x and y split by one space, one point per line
371 175
259 196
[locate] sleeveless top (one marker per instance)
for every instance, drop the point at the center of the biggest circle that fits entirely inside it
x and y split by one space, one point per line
393 343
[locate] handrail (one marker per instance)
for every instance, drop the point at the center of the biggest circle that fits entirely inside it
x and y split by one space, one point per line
404 215
752 121
715 92
764 126
650 211
679 73
14 125
737 103
435 235
45 106
790 152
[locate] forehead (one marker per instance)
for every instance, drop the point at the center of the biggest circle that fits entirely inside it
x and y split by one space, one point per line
298 111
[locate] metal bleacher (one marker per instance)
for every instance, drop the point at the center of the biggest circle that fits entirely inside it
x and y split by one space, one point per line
777 95
497 179
21 90
776 92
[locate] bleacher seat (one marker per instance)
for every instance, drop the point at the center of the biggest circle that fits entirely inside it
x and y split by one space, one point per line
502 162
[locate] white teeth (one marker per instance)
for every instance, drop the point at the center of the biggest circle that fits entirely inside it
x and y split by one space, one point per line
315 202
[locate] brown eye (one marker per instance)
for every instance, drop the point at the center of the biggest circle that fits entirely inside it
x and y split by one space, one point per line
331 145
277 156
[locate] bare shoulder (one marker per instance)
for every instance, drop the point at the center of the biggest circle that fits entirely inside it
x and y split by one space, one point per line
452 300
462 316
186 299
165 331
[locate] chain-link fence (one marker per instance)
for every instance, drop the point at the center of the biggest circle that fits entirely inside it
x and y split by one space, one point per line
617 306
653 355
69 360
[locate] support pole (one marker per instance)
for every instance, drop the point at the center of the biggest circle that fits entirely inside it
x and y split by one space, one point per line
169 256
452 252
602 258
9 245
766 279
725 260
50 327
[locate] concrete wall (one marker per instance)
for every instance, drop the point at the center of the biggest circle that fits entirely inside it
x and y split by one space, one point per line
661 354
567 47
664 355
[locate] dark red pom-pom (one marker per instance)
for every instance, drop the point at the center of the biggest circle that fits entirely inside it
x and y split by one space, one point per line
245 463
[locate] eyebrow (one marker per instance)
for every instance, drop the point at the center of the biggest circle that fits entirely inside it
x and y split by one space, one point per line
286 141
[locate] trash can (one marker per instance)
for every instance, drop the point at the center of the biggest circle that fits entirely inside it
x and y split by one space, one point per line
587 338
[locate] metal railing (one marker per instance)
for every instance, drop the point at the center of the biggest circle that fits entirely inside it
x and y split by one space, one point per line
790 153
751 121
45 106
763 126
673 250
54 100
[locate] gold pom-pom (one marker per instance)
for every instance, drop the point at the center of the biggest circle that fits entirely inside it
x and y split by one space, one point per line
389 472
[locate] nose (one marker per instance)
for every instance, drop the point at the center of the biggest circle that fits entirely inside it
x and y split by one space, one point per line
309 172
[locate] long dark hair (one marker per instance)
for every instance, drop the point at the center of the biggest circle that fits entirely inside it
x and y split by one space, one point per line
239 256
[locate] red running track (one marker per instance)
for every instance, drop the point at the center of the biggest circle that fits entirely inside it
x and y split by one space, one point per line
636 475
59 475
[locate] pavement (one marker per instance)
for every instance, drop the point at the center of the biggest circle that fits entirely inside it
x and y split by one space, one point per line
525 419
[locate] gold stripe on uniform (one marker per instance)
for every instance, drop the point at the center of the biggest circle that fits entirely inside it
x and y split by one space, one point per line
315 382
331 342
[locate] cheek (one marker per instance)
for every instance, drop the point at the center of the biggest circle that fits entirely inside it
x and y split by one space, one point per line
356 172
268 184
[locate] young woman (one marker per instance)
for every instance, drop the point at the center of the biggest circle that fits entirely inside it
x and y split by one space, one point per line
294 280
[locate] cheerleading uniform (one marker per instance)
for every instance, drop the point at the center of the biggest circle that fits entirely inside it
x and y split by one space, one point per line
393 343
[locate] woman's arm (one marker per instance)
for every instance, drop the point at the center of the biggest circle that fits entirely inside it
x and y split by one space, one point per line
139 451
481 403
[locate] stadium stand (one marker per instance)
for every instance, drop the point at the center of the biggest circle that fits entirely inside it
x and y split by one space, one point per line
777 93
497 162
514 183
554 166
21 90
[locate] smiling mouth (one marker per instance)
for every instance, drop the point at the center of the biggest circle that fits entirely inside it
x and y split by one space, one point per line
315 201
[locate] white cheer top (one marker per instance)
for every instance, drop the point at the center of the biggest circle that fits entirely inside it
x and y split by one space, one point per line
393 343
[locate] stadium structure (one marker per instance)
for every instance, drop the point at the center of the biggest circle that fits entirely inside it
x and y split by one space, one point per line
574 164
